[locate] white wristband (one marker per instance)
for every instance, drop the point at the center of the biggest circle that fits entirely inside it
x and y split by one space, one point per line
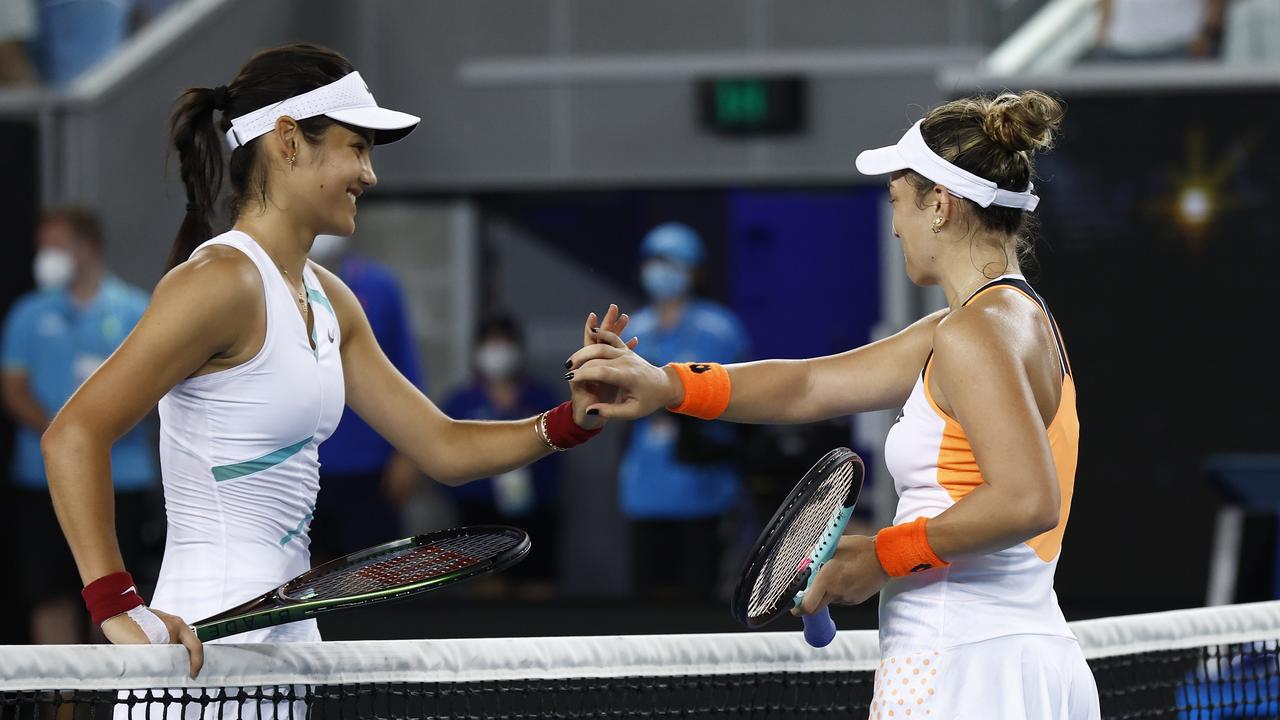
152 626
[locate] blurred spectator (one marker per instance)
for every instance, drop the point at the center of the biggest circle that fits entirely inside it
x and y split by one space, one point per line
526 497
17 30
54 338
74 35
678 478
363 481
1252 32
1155 30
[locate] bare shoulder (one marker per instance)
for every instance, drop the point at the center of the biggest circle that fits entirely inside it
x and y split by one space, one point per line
994 326
919 335
929 323
217 277
206 305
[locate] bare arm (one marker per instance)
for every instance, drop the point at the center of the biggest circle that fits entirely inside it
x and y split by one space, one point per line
980 372
21 403
450 451
980 378
873 377
196 314
193 316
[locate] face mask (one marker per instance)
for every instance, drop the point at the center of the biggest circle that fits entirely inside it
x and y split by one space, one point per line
664 280
328 247
53 268
498 360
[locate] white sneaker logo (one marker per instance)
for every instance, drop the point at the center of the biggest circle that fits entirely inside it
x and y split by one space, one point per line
132 589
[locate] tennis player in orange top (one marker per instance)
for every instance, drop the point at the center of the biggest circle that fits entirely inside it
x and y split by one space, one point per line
984 454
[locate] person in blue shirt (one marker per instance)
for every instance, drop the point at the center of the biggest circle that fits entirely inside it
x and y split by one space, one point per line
678 482
54 338
526 497
364 482
75 35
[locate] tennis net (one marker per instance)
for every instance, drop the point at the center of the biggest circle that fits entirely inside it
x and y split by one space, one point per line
1203 664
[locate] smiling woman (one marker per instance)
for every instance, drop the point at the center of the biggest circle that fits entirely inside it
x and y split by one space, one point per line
250 351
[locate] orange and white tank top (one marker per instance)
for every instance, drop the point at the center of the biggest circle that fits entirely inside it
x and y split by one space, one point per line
977 597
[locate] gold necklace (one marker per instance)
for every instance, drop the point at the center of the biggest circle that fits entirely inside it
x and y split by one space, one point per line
302 294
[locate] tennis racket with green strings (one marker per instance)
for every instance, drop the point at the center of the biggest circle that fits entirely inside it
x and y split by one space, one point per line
391 571
793 547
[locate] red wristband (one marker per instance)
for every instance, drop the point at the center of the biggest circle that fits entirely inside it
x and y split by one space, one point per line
562 431
111 595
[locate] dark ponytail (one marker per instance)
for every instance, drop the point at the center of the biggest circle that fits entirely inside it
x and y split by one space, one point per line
269 77
199 146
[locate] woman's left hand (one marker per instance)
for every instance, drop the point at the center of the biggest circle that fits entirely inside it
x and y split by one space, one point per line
851 576
584 395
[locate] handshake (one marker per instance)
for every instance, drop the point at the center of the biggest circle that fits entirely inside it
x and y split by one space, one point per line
607 379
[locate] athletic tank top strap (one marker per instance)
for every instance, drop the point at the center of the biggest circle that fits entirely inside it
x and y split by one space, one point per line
1020 284
273 283
279 300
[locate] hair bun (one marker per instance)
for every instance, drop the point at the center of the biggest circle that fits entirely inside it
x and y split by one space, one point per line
1022 122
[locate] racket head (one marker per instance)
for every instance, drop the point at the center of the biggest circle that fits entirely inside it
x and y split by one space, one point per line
426 562
410 565
778 566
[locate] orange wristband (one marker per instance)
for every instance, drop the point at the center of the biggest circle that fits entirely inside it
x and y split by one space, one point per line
904 549
706 389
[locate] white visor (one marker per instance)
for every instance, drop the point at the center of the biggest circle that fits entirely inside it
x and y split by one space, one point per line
346 100
912 153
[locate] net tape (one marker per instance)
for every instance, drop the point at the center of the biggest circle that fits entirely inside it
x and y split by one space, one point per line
1195 664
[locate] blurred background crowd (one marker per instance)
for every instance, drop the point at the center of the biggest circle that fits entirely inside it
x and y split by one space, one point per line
693 163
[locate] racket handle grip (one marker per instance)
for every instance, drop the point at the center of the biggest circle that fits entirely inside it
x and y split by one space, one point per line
819 629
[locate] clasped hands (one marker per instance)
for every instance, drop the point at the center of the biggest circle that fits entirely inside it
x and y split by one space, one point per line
611 381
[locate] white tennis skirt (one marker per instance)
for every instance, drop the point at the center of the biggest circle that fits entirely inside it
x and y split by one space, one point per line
1018 677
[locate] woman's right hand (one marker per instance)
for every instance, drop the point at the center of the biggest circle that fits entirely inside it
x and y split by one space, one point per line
124 630
641 387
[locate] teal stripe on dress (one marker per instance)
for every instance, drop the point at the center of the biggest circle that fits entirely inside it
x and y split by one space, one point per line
249 467
315 296
301 528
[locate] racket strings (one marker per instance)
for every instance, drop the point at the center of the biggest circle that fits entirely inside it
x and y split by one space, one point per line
804 532
406 566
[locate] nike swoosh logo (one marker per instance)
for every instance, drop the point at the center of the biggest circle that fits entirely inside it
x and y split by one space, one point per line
131 589
330 334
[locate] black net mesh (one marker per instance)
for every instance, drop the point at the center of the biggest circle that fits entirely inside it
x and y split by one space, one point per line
1203 683
1202 664
769 695
1200 683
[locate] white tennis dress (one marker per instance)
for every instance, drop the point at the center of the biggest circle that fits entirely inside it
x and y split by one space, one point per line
238 456
983 638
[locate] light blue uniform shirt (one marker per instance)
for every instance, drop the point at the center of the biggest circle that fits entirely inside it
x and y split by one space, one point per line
58 345
654 484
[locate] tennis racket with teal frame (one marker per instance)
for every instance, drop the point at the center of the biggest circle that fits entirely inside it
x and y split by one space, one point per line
799 539
391 571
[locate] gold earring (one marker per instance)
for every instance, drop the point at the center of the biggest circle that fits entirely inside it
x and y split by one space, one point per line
292 158
937 225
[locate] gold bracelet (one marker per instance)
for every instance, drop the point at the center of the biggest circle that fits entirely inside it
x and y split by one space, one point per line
540 427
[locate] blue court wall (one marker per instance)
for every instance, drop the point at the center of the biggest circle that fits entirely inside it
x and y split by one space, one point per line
804 268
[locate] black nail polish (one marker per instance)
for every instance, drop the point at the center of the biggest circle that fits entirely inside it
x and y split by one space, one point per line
595 330
568 364
568 376
593 411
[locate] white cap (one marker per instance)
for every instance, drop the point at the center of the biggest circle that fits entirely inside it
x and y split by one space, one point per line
346 100
912 153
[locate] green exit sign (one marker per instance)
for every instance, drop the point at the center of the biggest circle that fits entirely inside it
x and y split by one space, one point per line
752 105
